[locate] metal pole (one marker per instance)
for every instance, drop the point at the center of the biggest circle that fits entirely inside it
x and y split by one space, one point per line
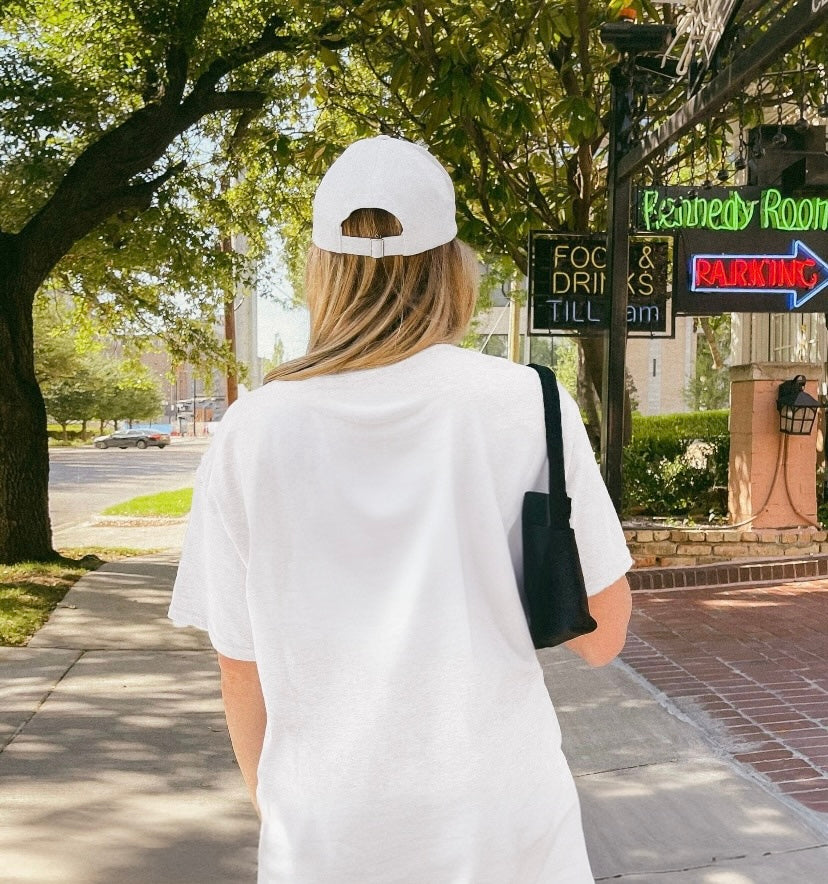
618 245
514 327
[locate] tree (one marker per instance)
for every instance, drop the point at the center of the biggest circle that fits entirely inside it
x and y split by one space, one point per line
139 402
56 350
709 388
67 361
116 115
78 380
277 357
70 399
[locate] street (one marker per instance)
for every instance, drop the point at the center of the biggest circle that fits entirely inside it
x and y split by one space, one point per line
83 481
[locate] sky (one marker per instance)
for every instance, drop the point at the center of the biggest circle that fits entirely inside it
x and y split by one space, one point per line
291 324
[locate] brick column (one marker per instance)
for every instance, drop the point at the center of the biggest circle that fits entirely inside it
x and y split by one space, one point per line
754 449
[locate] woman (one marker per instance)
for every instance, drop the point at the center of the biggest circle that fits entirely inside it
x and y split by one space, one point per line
354 551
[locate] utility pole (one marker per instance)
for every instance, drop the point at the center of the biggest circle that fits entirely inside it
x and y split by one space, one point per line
230 327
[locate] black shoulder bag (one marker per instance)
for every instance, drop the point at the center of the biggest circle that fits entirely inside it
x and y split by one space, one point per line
554 596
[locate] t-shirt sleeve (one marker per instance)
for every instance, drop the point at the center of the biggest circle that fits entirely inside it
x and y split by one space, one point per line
601 544
210 587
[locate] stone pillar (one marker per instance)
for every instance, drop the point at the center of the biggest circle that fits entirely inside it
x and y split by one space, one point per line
755 448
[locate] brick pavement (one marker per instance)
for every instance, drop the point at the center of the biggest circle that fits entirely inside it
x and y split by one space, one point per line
750 666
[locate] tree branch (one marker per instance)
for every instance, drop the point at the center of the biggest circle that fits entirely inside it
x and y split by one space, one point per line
268 41
236 99
177 64
559 59
139 196
583 43
425 34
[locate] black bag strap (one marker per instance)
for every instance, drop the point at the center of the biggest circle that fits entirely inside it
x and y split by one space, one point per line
560 506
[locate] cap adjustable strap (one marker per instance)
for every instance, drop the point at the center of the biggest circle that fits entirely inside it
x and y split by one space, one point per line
371 246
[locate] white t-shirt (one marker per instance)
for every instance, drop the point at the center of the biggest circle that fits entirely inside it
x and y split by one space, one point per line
359 536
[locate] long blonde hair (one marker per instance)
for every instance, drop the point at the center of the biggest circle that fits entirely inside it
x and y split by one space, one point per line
366 312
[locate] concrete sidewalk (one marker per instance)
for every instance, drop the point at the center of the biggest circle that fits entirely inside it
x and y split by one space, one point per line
117 766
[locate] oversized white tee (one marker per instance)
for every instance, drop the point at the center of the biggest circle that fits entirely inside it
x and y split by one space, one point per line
358 535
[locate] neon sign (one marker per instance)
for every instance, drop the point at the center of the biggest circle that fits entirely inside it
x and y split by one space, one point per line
568 282
678 208
801 275
744 249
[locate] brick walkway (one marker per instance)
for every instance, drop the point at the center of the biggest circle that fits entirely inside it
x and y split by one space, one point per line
750 665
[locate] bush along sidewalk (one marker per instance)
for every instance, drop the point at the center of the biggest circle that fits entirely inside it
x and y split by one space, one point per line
676 464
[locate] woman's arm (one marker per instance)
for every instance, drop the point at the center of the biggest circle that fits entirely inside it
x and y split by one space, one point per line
611 610
244 709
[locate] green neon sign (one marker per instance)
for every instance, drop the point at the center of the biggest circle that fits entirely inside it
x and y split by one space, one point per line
678 208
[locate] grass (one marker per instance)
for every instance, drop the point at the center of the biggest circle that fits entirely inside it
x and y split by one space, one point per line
30 591
165 503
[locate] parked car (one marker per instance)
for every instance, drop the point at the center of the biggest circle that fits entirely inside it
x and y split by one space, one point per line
135 437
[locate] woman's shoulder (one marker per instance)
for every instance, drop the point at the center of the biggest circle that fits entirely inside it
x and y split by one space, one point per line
491 369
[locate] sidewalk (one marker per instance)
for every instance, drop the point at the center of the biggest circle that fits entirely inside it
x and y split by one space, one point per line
117 766
749 665
121 769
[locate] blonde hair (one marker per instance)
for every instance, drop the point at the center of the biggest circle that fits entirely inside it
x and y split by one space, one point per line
367 312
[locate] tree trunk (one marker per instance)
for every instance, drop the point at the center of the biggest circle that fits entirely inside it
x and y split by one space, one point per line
592 350
63 425
25 529
710 337
83 431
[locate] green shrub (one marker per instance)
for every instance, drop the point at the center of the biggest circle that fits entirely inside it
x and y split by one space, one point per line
676 464
71 435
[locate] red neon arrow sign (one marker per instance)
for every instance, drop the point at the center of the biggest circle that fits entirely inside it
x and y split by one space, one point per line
800 275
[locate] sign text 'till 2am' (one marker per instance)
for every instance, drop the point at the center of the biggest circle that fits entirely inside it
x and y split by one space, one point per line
568 284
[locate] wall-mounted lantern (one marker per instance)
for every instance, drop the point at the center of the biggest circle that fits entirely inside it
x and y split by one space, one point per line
797 409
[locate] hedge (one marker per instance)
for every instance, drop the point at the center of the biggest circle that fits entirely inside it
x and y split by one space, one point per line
71 435
676 464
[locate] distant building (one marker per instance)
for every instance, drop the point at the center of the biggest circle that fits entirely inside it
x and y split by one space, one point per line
779 337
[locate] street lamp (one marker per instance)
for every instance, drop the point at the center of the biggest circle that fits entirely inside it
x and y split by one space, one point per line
797 409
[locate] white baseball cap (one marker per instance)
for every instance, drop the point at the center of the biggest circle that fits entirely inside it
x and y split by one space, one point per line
387 173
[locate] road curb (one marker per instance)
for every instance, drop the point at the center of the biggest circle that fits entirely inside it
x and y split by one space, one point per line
137 521
736 571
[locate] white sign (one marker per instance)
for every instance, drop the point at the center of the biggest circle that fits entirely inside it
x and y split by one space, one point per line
702 24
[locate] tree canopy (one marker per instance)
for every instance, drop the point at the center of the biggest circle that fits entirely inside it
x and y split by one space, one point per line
121 124
137 136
